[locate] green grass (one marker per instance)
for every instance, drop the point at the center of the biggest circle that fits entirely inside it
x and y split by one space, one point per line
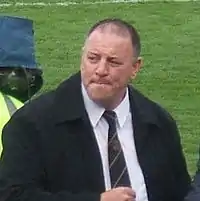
170 48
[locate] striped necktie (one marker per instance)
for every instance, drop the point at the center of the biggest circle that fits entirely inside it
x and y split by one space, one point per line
117 165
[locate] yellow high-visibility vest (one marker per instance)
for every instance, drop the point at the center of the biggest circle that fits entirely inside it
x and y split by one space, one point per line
8 105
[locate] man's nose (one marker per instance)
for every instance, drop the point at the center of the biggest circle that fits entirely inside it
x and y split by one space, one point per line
102 68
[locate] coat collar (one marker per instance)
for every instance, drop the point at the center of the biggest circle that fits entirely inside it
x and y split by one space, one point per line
69 104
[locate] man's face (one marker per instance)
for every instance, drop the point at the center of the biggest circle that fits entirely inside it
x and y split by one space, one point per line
107 65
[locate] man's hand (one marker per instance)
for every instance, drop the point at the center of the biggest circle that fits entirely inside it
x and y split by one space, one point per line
119 194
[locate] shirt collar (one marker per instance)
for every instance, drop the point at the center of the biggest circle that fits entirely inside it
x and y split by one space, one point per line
123 109
95 112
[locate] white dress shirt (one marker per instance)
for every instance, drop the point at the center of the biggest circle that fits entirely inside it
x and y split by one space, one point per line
125 135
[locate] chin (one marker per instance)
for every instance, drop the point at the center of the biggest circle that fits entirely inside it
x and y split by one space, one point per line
99 95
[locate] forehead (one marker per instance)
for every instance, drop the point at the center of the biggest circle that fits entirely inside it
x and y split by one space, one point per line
109 43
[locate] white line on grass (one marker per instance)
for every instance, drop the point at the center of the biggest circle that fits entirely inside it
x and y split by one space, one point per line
68 3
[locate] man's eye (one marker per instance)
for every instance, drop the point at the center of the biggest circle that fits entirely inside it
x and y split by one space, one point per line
93 59
115 63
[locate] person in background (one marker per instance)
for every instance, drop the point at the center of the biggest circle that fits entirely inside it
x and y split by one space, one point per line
95 137
194 193
20 77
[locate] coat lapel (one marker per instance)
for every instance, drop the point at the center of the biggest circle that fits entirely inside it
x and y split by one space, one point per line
92 155
69 98
142 119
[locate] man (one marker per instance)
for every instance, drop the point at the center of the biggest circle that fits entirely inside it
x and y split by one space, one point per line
20 77
194 193
95 138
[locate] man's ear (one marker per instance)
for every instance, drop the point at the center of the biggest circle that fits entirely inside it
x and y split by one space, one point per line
82 51
136 67
83 48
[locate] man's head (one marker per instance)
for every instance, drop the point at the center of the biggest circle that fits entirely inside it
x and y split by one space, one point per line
19 82
110 60
19 73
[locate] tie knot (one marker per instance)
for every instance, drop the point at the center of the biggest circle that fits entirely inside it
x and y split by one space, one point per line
110 116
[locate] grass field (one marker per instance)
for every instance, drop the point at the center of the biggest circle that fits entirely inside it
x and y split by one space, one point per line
170 48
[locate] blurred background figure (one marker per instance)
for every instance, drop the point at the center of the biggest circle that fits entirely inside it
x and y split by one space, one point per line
20 75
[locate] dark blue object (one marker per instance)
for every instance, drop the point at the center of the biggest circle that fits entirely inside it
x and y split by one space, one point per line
17 42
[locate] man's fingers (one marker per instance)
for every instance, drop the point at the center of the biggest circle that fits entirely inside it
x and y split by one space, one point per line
128 191
119 194
129 197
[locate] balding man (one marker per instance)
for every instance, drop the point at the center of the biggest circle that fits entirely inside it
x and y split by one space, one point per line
95 138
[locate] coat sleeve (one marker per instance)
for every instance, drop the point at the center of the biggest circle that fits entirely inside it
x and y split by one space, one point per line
21 166
181 174
178 162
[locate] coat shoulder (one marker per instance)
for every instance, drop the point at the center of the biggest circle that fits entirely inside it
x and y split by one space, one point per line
151 108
